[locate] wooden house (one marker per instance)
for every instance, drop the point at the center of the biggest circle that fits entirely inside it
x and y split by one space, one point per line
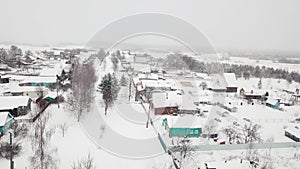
15 105
4 79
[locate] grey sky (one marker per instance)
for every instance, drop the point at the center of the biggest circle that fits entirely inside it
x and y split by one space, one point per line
256 24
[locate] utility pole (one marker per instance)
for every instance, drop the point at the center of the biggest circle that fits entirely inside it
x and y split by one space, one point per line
148 114
11 151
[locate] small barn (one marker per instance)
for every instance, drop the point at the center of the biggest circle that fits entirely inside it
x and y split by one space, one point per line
15 105
231 82
5 121
217 83
273 103
295 99
166 102
252 96
4 79
293 133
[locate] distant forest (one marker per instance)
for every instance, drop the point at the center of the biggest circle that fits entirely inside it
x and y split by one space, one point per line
179 61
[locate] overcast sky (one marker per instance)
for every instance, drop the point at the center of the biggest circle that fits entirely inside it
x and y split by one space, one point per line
255 24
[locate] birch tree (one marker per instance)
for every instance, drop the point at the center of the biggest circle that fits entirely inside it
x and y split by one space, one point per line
43 154
83 84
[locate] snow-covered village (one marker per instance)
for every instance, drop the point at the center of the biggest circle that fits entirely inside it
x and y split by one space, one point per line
127 98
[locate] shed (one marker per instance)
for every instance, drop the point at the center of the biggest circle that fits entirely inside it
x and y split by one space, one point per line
273 103
293 133
4 79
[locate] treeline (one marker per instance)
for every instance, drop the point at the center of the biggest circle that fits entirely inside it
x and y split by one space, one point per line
179 61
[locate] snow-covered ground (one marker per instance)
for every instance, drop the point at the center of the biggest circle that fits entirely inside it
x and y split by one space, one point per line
121 139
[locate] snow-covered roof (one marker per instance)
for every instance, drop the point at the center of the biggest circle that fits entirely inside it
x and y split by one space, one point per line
39 79
4 118
185 121
27 89
293 130
48 72
202 75
167 83
229 165
138 67
166 99
230 80
272 101
52 95
218 82
11 102
56 52
150 76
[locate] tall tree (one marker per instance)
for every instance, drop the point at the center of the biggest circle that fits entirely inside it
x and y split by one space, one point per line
109 88
123 81
3 54
43 154
259 85
83 84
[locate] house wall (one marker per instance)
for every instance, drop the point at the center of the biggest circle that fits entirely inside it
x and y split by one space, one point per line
4 128
292 136
4 80
231 89
165 110
21 110
34 94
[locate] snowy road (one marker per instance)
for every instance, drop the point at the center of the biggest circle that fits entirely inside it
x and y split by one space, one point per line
242 146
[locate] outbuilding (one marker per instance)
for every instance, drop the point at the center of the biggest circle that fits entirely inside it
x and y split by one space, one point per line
15 105
5 121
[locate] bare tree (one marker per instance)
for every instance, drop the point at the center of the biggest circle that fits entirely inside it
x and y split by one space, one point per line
85 163
115 62
63 128
20 130
247 133
250 133
82 95
183 154
231 133
43 154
